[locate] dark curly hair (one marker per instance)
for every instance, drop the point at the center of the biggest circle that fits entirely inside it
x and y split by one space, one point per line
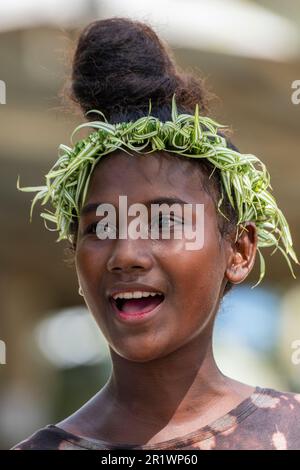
118 65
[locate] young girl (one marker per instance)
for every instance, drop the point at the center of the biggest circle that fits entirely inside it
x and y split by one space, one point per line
155 300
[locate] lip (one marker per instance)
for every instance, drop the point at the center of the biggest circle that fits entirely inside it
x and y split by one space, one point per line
130 318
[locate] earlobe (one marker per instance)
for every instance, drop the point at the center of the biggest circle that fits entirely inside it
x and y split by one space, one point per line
237 271
242 257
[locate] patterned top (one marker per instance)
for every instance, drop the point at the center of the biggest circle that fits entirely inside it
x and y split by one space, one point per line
268 419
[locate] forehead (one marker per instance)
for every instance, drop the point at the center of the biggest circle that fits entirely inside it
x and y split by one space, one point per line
143 177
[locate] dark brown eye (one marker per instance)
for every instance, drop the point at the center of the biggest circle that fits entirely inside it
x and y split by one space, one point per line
102 230
165 221
91 228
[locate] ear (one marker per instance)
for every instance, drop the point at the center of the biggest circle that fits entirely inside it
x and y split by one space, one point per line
242 254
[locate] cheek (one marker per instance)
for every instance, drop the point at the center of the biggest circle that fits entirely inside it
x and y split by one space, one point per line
196 278
89 265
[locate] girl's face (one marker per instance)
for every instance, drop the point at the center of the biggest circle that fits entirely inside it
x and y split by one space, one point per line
191 281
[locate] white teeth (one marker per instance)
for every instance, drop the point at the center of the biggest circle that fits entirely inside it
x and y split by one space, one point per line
134 295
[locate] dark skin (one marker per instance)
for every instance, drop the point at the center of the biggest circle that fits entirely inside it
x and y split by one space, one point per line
165 382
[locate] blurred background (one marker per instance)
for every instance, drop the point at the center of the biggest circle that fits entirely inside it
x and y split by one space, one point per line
52 356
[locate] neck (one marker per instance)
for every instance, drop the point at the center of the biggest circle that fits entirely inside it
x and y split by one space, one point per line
183 383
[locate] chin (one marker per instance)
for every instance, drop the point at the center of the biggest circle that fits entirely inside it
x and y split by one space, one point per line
139 354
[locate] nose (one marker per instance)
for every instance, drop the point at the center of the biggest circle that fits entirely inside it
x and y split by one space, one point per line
129 256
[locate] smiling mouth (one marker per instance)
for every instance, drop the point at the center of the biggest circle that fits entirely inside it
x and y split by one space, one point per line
137 306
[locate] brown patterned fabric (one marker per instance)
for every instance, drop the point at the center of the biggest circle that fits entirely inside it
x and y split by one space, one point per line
266 420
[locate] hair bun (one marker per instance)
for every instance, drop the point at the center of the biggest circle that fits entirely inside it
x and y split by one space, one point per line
119 64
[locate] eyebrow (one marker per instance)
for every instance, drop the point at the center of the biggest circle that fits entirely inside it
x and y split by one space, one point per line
92 206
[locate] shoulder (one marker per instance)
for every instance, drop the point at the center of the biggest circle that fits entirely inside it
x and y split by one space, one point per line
49 438
278 400
278 417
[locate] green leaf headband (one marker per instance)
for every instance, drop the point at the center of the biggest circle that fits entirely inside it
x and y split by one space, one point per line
244 177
